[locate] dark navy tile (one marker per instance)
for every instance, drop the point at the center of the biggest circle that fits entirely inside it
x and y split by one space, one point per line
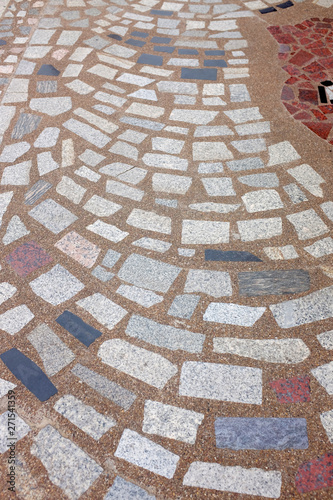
261 433
169 50
135 43
285 5
3 42
199 74
267 10
78 328
220 63
188 52
160 39
48 70
139 34
214 52
253 284
29 374
150 59
231 256
161 12
115 37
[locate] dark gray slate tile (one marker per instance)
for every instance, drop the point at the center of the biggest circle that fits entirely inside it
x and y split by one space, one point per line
29 374
78 328
169 50
48 70
36 191
115 37
160 39
261 433
140 34
285 5
161 12
188 52
245 164
3 42
25 125
199 74
214 52
138 122
47 87
267 10
219 63
231 256
258 283
135 43
150 59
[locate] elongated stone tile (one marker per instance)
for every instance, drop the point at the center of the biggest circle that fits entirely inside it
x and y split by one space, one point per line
78 248
308 178
56 452
313 307
259 229
149 221
214 283
254 284
261 433
308 224
233 314
103 309
78 328
171 422
164 335
230 256
125 489
107 231
238 384
87 133
139 363
144 453
36 191
144 298
272 350
29 374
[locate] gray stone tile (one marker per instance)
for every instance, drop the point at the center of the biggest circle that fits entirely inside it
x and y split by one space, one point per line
308 224
267 180
56 452
174 184
324 375
327 208
91 157
110 258
218 186
139 363
5 386
47 87
107 388
327 422
326 340
144 298
165 161
238 384
198 232
21 429
103 309
56 286
47 138
51 106
11 152
148 273
152 244
87 133
123 190
122 489
262 200
194 116
15 230
164 335
184 306
101 207
282 152
245 164
261 433
149 221
13 320
70 189
214 283
137 122
107 231
17 175
53 216
25 68
259 229
102 274
307 177
253 284
233 314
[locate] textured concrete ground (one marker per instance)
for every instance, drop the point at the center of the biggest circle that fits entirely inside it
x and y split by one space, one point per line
166 268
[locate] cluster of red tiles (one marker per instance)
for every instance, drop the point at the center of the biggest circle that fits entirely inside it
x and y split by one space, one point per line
27 258
306 50
292 390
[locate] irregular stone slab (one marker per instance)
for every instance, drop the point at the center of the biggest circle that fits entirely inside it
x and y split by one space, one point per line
262 200
53 352
315 475
171 422
85 417
199 74
165 161
51 106
260 180
70 189
148 273
78 328
46 86
308 224
13 320
17 175
21 429
58 454
56 286
197 117
271 350
238 384
261 433
107 231
295 193
178 87
207 151
320 248
218 186
308 178
313 307
78 248
233 314
164 335
31 376
215 283
39 53
326 340
282 152
13 151
184 306
324 375
230 256
6 115
168 183
139 363
120 189
87 133
199 232
143 297
6 291
5 199
122 489
46 163
53 216
107 388
101 207
36 191
292 390
149 221
237 479
103 309
25 125
144 453
259 229
15 230
286 252
253 284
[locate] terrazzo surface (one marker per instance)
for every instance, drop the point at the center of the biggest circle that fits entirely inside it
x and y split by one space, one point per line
166 285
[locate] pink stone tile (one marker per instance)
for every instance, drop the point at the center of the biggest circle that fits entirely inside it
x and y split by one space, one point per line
59 54
80 249
32 20
27 258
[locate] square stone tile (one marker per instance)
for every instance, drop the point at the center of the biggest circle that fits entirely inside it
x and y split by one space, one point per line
56 286
53 216
80 249
27 258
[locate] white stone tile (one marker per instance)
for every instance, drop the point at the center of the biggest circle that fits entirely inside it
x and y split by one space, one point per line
259 229
262 200
214 283
56 286
201 232
233 314
103 309
107 231
308 224
13 320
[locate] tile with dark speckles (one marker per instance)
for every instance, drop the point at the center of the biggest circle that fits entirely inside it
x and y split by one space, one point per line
27 258
25 124
292 390
315 474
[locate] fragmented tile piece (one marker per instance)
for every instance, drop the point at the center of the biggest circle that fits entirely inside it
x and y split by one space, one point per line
233 314
103 309
308 224
56 286
139 363
149 221
124 489
144 453
253 284
144 298
238 384
5 386
308 178
107 231
292 390
51 106
52 351
315 475
261 433
56 452
171 421
326 340
29 374
164 335
327 422
26 124
272 350
78 328
6 291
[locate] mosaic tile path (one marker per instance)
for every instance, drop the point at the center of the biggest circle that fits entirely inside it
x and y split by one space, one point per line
166 294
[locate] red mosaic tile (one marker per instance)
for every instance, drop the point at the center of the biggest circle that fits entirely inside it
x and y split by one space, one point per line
314 67
292 390
326 109
321 52
291 109
292 70
319 77
274 29
292 80
320 128
300 26
308 96
316 474
301 58
318 114
327 62
302 115
27 258
287 93
308 23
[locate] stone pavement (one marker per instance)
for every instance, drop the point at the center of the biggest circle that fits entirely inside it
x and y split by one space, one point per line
167 278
